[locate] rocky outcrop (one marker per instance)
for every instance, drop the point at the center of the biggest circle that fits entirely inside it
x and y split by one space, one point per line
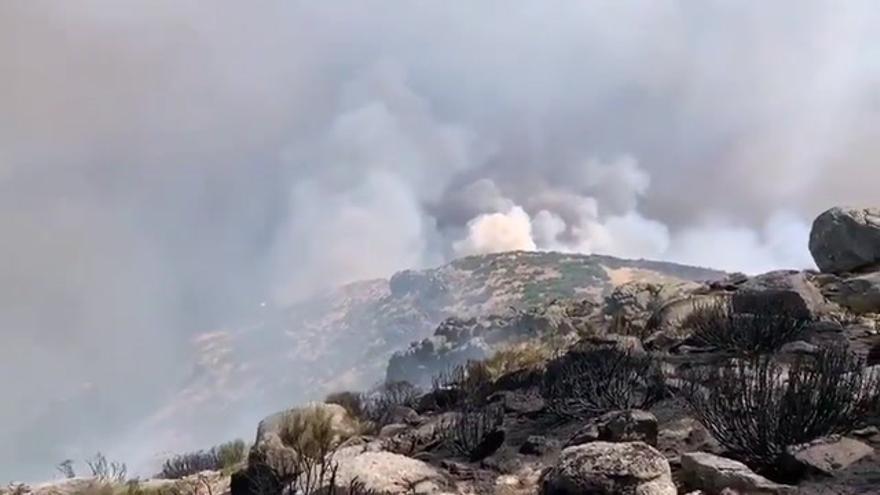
846 239
604 468
389 473
619 426
825 456
789 290
714 474
633 303
860 294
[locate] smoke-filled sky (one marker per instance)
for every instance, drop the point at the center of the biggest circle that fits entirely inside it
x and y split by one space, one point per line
166 165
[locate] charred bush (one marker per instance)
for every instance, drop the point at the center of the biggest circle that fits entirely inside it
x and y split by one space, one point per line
759 326
757 407
380 406
593 381
223 456
474 433
463 386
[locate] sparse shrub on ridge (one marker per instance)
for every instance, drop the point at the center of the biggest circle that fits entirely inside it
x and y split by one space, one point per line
114 472
757 407
519 357
221 457
763 329
594 381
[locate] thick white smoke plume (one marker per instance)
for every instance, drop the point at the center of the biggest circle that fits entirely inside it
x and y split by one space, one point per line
167 165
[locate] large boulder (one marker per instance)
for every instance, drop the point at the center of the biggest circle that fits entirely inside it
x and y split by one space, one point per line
603 468
619 426
632 304
713 474
389 473
846 239
860 294
825 456
788 290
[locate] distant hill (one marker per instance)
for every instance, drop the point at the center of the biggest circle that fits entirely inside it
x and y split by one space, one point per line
344 338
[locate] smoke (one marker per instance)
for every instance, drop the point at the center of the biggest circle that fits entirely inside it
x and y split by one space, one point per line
166 165
497 232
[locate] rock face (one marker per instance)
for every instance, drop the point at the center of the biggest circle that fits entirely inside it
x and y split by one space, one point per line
787 289
384 472
861 293
619 426
846 239
713 474
825 456
604 468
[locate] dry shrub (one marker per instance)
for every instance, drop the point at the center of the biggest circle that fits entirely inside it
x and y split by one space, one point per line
756 407
593 381
310 435
526 356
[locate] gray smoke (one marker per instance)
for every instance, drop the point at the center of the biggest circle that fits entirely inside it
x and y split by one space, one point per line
167 165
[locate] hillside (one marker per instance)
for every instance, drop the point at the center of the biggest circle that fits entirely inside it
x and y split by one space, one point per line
345 337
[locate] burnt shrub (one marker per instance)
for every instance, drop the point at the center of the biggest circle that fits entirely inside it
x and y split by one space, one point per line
757 407
593 381
474 433
463 386
381 404
746 325
223 456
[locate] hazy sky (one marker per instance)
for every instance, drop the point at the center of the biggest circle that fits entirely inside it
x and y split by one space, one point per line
166 165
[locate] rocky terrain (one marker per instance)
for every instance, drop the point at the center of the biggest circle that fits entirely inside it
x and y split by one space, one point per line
559 375
343 339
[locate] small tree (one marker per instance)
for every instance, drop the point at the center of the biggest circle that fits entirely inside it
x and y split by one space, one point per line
756 407
591 382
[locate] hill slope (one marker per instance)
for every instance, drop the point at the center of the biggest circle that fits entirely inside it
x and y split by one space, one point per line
344 338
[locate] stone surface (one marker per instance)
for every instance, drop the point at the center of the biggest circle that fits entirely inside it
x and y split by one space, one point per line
390 473
603 468
713 474
860 294
846 239
618 426
825 456
538 445
790 290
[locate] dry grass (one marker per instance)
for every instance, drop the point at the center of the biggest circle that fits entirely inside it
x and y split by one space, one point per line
519 357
